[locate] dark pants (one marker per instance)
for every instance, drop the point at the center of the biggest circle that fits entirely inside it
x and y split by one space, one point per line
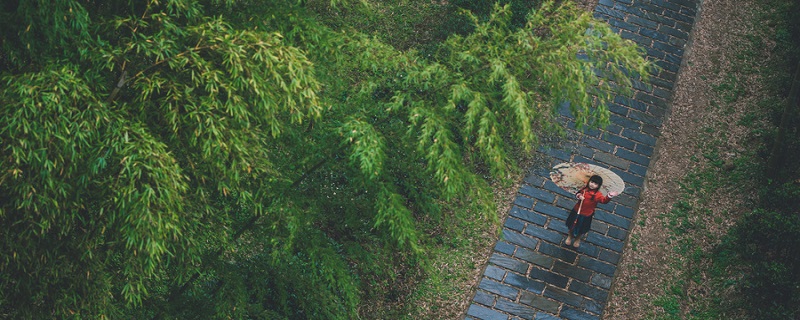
578 224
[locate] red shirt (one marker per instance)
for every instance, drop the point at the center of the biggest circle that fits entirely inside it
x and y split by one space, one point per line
590 201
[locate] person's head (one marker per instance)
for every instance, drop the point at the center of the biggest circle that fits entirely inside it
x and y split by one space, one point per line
595 182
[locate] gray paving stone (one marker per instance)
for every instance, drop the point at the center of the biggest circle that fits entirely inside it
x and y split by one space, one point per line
545 316
623 111
572 271
535 180
484 298
627 8
645 150
667 76
515 309
558 225
679 42
597 265
504 247
602 281
527 215
595 293
619 23
642 22
613 219
537 193
498 288
612 160
613 128
651 129
625 211
633 191
571 298
661 20
685 3
626 101
645 117
586 151
645 6
558 252
514 224
603 10
541 233
582 159
519 239
626 200
626 122
552 187
524 202
535 258
483 313
599 226
640 137
617 233
605 242
631 179
493 272
572 314
539 302
665 94
609 256
653 34
666 65
549 277
524 283
566 204
667 48
555 153
509 263
667 5
651 99
548 210
640 39
600 145
689 12
620 141
588 249
662 83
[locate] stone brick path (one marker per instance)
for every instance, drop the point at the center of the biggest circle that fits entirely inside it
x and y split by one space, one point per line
531 273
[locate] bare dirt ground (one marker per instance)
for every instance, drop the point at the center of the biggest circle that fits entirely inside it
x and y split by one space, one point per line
695 118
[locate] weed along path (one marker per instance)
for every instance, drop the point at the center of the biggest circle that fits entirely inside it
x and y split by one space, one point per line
531 273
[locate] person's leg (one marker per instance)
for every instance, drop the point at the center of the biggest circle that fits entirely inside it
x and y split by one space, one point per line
571 224
577 242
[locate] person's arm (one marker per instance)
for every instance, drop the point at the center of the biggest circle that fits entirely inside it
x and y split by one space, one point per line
606 199
580 194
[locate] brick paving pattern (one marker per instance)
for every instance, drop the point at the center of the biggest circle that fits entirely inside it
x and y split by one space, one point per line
532 274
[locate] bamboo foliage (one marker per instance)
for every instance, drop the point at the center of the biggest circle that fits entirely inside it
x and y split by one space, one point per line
167 162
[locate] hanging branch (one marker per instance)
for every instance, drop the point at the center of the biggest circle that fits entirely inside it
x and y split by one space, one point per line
252 222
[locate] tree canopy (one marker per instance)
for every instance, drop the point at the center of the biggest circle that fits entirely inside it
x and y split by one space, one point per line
246 159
